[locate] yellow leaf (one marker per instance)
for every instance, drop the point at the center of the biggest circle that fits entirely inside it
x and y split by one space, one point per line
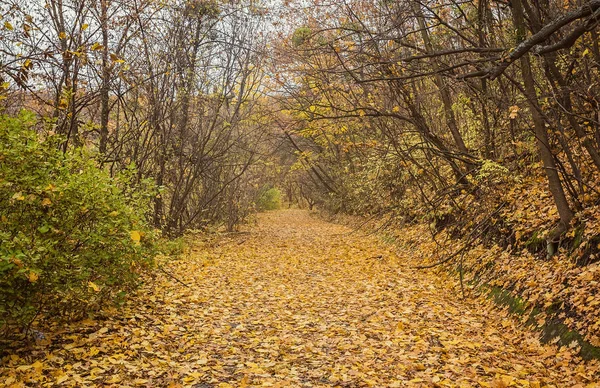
61 378
46 202
115 58
96 46
94 286
62 35
114 379
33 277
8 26
18 196
84 27
396 109
135 236
38 367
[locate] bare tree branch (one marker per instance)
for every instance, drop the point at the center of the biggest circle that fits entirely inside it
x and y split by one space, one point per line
542 35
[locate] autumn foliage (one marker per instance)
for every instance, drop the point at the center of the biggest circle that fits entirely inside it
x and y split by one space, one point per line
465 134
473 123
73 239
292 302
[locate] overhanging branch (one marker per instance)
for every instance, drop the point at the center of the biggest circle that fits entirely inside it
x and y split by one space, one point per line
590 10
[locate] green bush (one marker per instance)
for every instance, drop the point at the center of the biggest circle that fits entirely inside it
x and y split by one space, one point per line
171 247
269 200
71 236
301 35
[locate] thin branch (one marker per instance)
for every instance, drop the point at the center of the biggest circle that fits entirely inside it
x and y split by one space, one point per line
542 35
571 38
451 52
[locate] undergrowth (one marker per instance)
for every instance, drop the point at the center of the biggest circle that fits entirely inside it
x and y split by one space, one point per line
72 238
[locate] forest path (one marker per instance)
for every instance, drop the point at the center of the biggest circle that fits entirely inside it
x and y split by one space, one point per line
296 301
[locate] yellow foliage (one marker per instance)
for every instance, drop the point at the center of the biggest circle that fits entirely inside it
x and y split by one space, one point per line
297 302
136 236
33 277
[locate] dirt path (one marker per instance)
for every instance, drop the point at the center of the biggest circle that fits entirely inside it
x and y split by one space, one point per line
302 303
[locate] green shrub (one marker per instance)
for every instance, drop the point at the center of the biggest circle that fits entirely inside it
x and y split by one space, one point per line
269 200
171 247
71 236
301 35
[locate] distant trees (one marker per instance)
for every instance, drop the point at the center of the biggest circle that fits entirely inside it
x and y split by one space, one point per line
431 90
173 88
405 99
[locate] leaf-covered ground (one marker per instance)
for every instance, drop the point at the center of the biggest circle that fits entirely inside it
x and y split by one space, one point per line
296 302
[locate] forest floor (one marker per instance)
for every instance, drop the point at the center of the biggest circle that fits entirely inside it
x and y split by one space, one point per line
295 301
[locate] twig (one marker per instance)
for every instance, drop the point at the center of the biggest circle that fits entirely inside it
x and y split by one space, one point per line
447 259
467 244
172 276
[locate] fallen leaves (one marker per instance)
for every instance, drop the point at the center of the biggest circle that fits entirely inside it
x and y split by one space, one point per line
296 303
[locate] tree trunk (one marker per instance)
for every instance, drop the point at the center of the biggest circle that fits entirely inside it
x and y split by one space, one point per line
442 88
543 144
104 101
